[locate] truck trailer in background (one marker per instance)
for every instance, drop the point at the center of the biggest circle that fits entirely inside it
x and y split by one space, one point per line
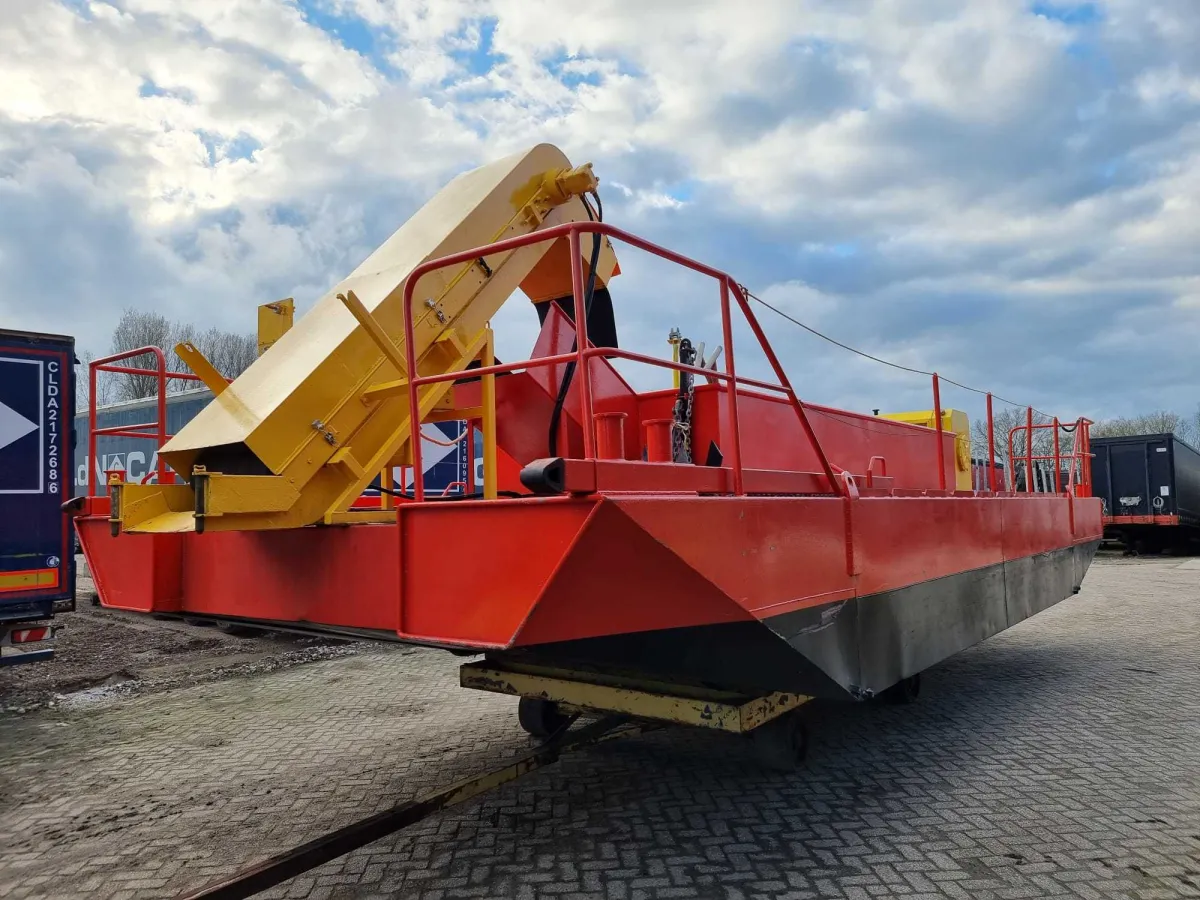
1150 485
37 559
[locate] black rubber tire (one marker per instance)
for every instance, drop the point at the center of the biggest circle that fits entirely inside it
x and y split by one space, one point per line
540 718
198 623
781 745
903 692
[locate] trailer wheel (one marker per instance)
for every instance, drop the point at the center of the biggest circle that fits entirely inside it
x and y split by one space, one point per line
903 692
540 718
781 744
233 629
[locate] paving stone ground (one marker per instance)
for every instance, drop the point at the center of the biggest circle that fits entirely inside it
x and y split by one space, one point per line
1059 759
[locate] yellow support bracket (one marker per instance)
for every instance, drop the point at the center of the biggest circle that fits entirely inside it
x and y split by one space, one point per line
374 330
274 321
201 367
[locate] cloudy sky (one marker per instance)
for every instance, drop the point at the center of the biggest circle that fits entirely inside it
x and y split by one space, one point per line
1006 191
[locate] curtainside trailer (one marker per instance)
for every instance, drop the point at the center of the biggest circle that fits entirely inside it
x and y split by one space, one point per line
37 559
1150 486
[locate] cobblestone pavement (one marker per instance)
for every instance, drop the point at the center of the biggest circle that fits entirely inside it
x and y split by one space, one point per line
1061 758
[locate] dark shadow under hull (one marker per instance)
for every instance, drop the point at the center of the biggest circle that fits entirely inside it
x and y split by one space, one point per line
856 647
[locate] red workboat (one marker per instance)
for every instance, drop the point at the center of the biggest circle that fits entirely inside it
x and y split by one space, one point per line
719 541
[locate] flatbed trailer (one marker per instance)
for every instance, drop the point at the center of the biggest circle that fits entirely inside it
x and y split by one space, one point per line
37 544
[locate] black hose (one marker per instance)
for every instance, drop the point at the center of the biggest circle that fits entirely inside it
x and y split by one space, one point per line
589 292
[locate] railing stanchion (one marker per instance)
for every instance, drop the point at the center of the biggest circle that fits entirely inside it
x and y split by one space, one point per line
937 421
1057 460
161 359
991 427
582 366
731 403
1029 450
91 460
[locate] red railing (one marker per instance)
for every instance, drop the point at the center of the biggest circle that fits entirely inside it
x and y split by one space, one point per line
1080 457
584 353
139 430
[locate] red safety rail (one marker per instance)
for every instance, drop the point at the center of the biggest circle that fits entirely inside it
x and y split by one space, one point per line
583 353
1080 456
159 427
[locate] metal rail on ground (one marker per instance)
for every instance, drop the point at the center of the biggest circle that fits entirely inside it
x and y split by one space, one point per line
289 864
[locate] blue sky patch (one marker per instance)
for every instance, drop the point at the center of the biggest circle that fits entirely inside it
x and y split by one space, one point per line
150 89
480 59
219 147
1068 13
559 65
351 32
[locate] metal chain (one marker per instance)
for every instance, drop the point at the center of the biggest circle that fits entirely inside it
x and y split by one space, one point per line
681 424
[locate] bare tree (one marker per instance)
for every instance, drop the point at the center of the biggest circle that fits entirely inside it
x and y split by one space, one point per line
229 353
1157 422
104 383
1191 429
1003 422
139 329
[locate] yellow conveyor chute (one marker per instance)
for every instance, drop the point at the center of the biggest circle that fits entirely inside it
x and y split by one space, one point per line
301 433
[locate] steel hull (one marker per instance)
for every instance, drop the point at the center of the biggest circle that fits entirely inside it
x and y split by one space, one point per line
857 647
818 594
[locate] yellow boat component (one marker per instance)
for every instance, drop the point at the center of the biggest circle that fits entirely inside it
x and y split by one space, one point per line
954 420
300 434
274 321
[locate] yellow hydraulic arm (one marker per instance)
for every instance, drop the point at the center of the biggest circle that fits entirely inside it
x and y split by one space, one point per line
298 436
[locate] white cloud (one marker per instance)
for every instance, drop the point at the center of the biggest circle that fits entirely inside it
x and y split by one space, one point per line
963 184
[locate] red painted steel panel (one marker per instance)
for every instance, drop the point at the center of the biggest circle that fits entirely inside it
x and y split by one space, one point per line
906 541
471 571
345 577
1035 524
137 572
617 578
772 437
769 554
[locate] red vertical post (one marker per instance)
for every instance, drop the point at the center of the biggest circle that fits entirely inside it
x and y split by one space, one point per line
91 460
1029 449
1057 460
937 422
161 359
1085 466
582 375
991 427
731 403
